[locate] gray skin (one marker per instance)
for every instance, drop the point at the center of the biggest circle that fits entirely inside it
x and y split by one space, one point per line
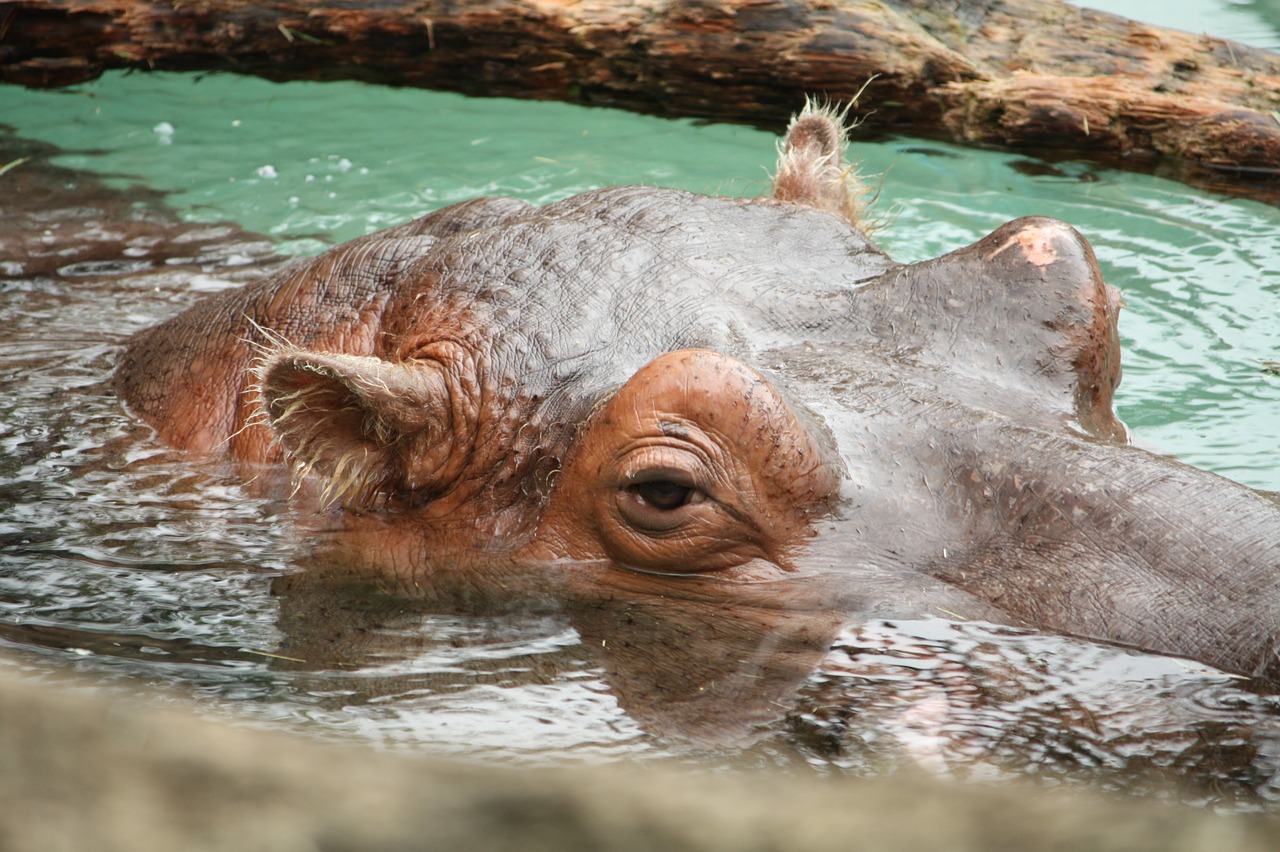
701 416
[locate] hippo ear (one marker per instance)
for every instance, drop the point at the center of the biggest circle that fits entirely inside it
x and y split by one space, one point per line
365 427
811 168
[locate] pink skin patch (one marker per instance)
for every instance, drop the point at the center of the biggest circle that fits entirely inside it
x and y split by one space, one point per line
1036 243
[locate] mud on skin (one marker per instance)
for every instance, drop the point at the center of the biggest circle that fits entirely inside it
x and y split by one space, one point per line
706 417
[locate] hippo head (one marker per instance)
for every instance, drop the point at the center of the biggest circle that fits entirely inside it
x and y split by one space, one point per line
695 397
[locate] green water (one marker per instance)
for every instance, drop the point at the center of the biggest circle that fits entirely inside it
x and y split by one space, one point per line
312 164
1255 22
317 163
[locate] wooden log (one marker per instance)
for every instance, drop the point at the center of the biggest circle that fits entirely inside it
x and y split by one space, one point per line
1029 74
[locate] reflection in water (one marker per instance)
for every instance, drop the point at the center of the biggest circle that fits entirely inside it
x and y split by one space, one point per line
138 564
700 675
984 702
702 662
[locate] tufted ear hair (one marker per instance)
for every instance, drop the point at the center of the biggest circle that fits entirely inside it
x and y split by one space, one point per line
811 169
364 427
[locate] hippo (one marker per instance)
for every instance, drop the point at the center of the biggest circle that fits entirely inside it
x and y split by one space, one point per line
657 402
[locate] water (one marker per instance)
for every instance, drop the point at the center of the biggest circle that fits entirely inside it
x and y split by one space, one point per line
140 565
1255 22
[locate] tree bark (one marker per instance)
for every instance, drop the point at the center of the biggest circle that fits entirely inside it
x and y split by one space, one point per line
1030 74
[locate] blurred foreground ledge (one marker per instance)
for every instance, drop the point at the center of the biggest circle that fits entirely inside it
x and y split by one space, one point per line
1026 74
84 770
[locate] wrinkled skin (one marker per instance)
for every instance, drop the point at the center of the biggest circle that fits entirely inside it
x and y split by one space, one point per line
690 416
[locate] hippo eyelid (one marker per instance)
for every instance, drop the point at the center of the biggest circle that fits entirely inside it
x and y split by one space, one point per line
674 429
663 473
680 460
653 572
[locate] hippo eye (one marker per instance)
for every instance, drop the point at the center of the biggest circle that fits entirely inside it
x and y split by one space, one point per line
661 505
663 494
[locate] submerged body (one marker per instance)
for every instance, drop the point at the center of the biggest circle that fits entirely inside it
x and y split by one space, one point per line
714 406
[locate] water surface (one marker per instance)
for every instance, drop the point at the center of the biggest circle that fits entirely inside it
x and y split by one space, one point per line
1255 22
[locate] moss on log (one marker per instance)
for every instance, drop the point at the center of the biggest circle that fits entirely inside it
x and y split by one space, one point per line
1030 74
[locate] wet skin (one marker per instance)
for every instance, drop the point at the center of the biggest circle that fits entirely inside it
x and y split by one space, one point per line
678 415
